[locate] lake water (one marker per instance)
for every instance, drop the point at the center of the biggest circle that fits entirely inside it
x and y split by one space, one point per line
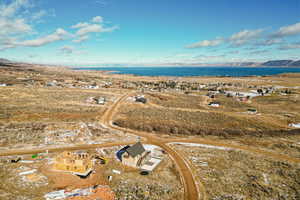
197 71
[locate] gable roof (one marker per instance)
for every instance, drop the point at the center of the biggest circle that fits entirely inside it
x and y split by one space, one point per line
135 149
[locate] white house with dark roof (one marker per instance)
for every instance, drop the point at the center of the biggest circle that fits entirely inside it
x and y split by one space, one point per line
132 156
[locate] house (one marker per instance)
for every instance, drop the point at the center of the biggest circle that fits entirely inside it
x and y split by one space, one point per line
60 194
79 163
141 99
101 100
251 111
51 84
132 156
295 125
214 104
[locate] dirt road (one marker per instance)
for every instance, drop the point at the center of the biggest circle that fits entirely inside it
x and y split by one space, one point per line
190 187
59 149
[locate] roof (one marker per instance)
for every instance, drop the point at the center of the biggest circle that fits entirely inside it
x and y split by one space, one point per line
136 149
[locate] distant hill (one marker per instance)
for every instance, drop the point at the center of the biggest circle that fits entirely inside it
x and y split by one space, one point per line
295 64
277 63
2 60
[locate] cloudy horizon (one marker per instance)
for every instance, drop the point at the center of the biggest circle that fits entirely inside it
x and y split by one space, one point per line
135 32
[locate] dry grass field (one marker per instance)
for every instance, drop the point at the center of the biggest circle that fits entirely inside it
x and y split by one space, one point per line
48 105
180 122
175 100
236 175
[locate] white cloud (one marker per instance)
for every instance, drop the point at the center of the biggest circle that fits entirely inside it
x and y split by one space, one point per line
243 37
206 43
94 28
85 28
13 26
81 39
38 15
80 25
258 52
67 49
290 46
59 34
91 28
97 19
237 39
284 31
9 10
269 42
208 57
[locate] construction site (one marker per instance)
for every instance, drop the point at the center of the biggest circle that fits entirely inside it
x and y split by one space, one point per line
89 174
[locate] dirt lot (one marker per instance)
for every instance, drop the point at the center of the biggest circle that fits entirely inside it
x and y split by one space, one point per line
14 186
236 175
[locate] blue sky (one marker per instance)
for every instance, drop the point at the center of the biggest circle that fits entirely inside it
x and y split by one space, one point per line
149 32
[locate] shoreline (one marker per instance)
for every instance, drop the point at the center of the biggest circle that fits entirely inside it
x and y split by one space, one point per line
119 73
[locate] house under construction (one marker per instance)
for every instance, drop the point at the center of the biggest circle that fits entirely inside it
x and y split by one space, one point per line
79 163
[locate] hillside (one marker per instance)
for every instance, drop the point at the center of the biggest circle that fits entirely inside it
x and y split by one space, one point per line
295 64
277 63
2 60
281 63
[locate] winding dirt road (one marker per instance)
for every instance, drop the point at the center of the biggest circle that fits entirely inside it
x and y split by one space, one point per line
190 187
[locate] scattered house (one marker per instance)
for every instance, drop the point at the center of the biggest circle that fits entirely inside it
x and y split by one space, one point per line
295 125
116 171
27 161
51 84
285 92
92 87
214 104
201 86
16 160
79 163
132 155
141 98
252 111
211 94
100 101
27 172
60 194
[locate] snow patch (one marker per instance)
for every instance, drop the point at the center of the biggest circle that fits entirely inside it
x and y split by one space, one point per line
201 145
